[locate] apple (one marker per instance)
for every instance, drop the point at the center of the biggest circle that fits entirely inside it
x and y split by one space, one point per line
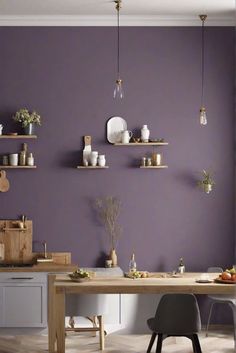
226 276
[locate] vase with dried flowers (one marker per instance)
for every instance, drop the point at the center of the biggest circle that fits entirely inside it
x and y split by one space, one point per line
207 182
108 210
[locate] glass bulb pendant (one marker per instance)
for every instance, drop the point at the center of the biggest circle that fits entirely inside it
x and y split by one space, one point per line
118 91
203 117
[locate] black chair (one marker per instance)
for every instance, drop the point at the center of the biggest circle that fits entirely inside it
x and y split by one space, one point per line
176 315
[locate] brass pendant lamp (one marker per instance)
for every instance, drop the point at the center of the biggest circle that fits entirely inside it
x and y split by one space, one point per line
203 116
118 91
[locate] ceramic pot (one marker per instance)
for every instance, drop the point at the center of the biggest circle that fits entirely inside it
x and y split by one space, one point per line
29 129
94 158
101 160
13 159
113 257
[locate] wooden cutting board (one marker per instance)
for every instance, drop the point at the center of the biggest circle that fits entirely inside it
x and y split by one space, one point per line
17 242
4 183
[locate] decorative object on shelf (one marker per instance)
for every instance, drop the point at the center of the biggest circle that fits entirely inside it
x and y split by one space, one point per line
4 182
101 160
94 158
118 91
149 162
30 160
108 263
108 210
203 116
143 161
156 159
28 120
145 133
207 183
87 150
126 136
5 160
115 126
13 159
23 154
1 128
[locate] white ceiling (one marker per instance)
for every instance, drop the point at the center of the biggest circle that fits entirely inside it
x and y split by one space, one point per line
102 12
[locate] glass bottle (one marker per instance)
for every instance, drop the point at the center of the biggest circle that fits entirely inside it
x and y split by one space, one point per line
181 268
203 117
118 91
132 264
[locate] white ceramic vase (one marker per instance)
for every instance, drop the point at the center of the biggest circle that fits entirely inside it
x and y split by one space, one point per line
101 160
145 133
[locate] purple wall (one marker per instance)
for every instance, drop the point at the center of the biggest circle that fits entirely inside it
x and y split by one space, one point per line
67 74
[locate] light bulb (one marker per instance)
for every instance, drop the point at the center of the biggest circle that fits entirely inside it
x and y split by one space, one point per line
118 91
203 117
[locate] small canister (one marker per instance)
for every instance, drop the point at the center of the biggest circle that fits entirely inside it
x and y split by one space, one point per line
5 160
149 162
143 162
156 159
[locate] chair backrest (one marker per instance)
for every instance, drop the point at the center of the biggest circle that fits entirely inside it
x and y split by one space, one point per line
215 270
178 314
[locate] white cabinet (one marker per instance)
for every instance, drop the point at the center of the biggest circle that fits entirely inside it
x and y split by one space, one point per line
23 299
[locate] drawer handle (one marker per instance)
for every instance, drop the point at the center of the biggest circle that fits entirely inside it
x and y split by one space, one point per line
21 278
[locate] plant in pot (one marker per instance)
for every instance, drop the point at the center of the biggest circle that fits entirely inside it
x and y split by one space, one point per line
207 182
108 210
28 120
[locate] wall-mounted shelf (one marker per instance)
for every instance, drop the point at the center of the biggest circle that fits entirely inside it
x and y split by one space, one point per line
18 167
18 136
154 167
142 144
91 167
14 229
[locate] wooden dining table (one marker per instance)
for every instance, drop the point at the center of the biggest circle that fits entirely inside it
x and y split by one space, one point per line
157 283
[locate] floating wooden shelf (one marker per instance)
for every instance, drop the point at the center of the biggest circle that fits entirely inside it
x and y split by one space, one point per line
18 167
155 167
18 136
91 167
14 229
142 144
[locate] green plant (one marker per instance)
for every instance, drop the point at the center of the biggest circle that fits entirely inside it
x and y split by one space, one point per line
207 179
108 211
25 117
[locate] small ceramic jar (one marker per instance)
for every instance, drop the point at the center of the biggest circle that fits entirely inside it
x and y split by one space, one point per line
13 159
30 160
94 158
101 160
145 133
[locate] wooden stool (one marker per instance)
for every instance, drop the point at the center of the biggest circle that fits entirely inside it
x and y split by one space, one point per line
98 325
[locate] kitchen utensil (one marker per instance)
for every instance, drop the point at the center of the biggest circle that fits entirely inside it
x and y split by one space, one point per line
115 125
4 183
87 149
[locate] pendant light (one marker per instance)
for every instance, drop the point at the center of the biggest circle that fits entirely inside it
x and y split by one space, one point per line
118 91
203 117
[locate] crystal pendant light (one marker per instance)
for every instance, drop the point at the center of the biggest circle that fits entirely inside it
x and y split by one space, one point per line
203 116
118 91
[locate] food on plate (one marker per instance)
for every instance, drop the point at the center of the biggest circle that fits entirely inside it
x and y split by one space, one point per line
228 275
80 273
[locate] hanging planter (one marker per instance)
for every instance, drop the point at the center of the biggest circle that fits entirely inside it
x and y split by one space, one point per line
207 183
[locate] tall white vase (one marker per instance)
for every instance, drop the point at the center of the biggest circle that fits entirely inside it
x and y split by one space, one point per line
145 133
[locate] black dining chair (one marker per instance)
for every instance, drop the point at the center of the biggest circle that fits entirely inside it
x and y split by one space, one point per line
176 315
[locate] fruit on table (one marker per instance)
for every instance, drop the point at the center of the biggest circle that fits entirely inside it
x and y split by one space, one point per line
226 275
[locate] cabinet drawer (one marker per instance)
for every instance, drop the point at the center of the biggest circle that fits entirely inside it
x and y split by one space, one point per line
14 277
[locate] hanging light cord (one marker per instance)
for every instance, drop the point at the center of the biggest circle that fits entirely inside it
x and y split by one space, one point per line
118 38
203 56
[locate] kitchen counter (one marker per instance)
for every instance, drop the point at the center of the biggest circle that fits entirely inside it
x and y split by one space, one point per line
42 267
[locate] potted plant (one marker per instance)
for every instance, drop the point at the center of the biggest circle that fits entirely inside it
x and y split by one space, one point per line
28 120
108 211
207 183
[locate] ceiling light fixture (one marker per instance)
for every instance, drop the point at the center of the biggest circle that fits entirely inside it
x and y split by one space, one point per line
203 117
118 91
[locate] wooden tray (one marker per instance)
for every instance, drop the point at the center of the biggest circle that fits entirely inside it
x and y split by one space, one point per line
219 280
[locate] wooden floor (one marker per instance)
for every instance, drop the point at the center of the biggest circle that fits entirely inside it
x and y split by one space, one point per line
215 343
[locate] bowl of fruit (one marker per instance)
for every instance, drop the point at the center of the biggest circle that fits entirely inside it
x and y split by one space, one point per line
137 274
228 276
80 275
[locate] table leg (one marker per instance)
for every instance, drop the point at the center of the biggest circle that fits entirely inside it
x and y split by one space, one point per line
60 320
101 332
51 314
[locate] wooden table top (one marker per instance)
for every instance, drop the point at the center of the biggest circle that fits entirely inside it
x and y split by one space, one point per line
157 283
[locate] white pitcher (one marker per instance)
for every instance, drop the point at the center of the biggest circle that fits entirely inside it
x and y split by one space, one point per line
126 136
